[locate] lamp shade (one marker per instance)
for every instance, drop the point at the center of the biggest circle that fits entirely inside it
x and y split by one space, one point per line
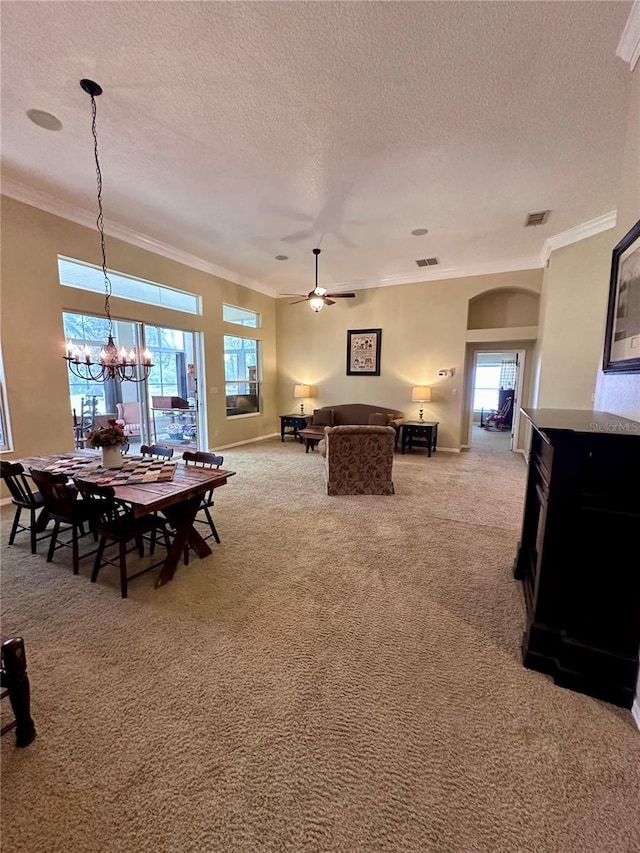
301 391
421 394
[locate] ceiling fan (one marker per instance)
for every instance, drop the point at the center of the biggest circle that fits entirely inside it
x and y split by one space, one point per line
318 297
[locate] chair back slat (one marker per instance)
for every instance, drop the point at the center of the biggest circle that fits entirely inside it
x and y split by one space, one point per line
205 460
201 459
160 451
13 475
58 497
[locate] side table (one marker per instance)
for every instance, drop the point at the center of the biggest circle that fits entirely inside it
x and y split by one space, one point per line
296 422
426 433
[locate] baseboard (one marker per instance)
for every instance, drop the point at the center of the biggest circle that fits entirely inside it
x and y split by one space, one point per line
5 501
246 441
448 449
635 711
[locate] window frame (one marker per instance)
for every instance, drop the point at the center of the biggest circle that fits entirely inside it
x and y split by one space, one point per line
249 381
258 317
115 275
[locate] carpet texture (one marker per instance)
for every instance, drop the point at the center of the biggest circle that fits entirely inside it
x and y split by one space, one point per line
342 674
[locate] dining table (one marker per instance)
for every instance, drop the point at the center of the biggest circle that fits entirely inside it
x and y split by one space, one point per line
179 499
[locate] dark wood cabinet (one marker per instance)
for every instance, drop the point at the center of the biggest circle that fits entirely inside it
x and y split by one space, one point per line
579 553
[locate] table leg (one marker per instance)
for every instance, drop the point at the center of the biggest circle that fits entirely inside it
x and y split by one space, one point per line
181 517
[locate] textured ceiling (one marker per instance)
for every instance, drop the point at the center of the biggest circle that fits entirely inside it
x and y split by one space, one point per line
238 131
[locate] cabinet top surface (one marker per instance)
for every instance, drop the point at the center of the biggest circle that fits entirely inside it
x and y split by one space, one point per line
581 420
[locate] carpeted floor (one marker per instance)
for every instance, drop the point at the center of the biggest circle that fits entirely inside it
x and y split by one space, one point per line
342 674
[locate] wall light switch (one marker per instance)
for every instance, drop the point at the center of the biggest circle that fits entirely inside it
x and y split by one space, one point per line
213 389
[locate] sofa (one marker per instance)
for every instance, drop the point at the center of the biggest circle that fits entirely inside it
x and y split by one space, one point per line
355 414
358 459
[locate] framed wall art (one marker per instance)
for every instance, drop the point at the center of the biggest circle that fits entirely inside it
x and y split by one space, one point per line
622 335
363 352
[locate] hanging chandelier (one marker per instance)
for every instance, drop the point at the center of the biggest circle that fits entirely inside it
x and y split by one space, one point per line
111 362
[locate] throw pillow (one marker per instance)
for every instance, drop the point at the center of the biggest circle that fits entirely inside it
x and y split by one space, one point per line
378 419
322 417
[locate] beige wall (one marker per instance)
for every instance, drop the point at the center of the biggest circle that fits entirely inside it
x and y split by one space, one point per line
424 327
32 335
621 394
574 306
575 288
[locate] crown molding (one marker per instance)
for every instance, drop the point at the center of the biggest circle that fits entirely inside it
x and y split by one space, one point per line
577 233
58 207
629 44
491 268
50 204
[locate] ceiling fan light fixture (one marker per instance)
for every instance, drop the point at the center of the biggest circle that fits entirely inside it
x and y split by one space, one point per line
316 303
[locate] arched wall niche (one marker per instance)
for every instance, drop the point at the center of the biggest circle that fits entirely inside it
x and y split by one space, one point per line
503 308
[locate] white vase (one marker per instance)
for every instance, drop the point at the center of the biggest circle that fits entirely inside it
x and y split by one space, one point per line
112 457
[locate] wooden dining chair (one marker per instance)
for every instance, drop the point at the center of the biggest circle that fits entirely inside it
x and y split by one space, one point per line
61 502
114 522
158 451
205 460
23 497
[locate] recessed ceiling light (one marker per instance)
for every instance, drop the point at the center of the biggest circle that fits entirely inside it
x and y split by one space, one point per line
420 232
282 257
45 120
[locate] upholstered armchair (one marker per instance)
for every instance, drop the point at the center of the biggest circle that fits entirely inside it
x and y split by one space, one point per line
359 459
129 417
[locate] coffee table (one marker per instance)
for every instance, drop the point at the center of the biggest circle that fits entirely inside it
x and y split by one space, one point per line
311 436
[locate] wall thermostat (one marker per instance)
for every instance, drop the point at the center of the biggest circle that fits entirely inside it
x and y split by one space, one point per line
448 372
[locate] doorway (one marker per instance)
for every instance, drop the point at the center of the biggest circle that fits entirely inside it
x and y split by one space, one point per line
495 399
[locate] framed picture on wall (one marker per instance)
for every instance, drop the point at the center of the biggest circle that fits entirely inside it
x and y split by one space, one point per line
363 352
622 335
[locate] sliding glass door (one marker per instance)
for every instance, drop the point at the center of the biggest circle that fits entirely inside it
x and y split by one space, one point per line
163 410
173 389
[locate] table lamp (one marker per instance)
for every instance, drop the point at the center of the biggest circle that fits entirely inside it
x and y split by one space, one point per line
421 394
302 392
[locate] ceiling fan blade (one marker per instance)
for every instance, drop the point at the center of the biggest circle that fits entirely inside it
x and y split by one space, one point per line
299 300
328 301
298 235
341 295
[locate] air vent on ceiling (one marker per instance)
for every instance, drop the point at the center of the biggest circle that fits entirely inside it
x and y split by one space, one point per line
428 262
537 218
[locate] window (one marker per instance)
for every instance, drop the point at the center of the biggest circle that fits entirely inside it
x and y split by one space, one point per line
87 277
485 393
240 316
242 375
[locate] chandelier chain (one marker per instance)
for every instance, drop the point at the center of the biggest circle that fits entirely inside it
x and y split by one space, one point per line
100 219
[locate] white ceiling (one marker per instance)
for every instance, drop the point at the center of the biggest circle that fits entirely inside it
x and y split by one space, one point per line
237 131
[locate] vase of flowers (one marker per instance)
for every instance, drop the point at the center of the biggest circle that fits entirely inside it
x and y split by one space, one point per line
110 439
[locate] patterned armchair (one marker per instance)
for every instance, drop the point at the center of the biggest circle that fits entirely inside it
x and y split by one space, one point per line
129 418
359 459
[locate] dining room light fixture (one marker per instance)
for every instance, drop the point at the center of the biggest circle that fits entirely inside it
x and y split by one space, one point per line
111 362
421 394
